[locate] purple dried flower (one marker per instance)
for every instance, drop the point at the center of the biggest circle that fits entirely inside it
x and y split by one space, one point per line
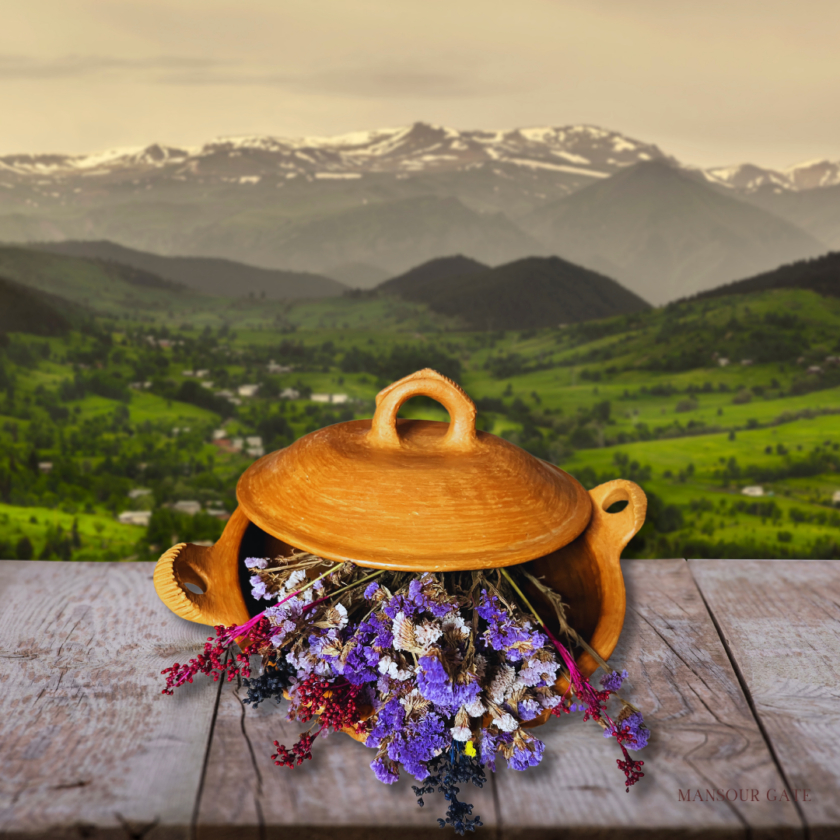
371 590
633 731
417 595
399 604
435 685
528 755
389 720
410 742
258 589
612 682
487 749
418 743
504 633
384 770
255 563
529 709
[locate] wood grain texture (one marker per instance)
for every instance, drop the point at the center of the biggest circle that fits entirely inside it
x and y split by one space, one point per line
781 621
335 795
703 736
88 745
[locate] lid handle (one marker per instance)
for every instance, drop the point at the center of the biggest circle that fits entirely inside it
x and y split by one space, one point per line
426 383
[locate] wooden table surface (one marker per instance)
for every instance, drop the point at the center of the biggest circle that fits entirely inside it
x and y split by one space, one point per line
736 665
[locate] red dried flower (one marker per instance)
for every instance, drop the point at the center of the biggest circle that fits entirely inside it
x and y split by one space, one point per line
300 752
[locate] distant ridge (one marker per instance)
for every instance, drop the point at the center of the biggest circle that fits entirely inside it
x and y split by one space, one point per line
412 282
665 233
821 275
358 275
208 275
136 276
528 293
28 311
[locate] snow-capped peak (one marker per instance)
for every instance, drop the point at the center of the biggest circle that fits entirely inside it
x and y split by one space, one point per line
574 155
801 176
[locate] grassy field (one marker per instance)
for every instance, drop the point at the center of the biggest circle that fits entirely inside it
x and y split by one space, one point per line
643 396
101 537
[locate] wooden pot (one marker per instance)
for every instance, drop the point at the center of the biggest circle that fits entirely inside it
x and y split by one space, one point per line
418 496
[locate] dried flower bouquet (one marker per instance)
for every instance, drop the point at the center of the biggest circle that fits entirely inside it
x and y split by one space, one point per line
437 672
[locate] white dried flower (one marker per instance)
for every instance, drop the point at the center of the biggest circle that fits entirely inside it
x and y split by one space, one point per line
507 723
454 623
323 668
295 578
502 683
401 674
475 708
384 664
414 701
403 630
427 634
536 671
342 615
461 733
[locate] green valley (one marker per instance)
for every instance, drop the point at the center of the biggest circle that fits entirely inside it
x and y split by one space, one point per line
127 432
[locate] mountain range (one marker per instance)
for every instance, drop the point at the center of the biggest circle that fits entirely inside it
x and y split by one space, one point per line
369 205
663 233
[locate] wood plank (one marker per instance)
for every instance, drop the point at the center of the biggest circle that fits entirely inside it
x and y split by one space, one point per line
88 745
704 736
335 795
781 622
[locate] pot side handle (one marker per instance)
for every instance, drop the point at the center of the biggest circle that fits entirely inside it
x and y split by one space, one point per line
610 532
214 570
604 539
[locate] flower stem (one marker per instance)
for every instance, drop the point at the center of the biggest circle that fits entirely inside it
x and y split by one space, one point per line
527 603
565 655
243 629
584 644
357 583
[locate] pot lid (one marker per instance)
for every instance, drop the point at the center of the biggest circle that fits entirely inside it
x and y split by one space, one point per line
414 494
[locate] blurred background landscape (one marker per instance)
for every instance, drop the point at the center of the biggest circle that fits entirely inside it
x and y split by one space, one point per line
171 311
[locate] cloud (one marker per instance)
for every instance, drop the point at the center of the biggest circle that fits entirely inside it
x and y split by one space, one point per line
22 67
364 82
381 80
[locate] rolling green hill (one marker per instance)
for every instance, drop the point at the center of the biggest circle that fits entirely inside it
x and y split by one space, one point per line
24 310
103 287
526 294
207 275
411 284
820 275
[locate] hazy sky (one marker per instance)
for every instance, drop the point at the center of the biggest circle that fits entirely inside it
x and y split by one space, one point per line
710 81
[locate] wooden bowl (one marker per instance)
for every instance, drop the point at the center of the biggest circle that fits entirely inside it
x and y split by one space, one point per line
418 496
